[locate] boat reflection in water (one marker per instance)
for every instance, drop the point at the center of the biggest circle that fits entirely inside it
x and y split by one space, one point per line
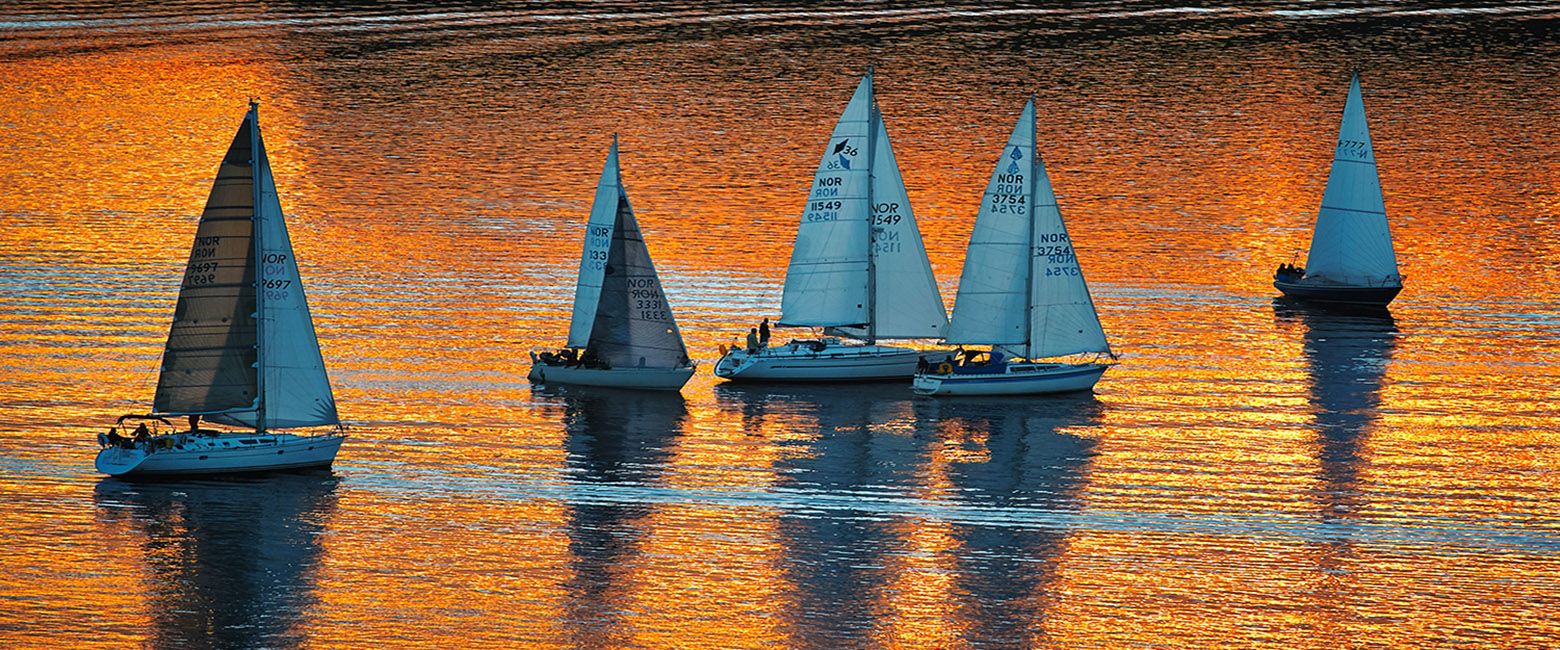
618 438
231 563
1022 459
877 448
1346 353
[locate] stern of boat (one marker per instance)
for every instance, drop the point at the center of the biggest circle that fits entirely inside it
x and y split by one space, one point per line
118 461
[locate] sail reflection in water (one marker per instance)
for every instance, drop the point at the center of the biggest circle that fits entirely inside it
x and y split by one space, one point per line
620 438
833 559
1027 461
851 560
230 563
1346 355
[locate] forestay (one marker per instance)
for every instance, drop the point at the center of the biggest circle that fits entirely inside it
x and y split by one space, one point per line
826 283
1352 243
208 364
632 323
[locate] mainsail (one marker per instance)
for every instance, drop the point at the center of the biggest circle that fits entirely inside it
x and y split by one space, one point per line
208 364
620 310
859 264
1352 244
826 284
242 348
1022 289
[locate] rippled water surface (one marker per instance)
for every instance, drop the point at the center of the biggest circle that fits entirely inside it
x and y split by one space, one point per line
1251 472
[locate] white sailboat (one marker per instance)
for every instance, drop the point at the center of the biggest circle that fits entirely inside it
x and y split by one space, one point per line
241 350
1021 291
622 334
1351 258
858 269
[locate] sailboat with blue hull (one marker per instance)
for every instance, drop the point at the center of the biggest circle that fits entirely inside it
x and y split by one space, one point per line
1351 260
1021 292
241 351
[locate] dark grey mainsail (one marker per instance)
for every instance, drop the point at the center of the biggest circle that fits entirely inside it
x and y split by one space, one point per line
209 364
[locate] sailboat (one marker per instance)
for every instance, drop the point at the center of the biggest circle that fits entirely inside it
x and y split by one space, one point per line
622 333
858 268
241 350
1351 258
1021 291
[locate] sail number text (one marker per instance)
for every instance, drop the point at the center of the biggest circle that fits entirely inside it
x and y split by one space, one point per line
597 241
1058 254
649 303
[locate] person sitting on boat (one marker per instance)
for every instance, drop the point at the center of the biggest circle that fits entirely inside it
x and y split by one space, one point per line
142 435
752 341
194 422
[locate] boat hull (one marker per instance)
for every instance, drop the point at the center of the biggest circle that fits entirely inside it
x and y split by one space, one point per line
632 378
805 363
223 454
1015 379
1338 294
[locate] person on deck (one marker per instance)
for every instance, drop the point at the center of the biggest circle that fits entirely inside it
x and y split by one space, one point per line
194 423
752 341
142 435
763 333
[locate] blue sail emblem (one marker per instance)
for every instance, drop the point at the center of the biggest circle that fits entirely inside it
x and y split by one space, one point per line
1017 155
840 150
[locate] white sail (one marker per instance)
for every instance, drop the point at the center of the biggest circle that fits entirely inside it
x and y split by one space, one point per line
992 305
631 321
1352 244
906 302
826 283
1062 318
598 245
208 364
295 388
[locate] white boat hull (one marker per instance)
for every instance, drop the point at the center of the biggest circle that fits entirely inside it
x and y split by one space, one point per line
834 362
634 378
1014 379
227 453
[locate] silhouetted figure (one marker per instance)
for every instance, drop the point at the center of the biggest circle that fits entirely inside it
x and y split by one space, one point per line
763 333
752 341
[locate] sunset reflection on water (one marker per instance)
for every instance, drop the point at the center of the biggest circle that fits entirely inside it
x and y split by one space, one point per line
1252 472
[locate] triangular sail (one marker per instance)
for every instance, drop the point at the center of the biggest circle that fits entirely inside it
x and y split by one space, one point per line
631 323
992 305
1062 318
1352 243
593 258
208 365
906 304
296 389
826 283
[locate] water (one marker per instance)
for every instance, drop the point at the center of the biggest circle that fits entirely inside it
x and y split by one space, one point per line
1250 473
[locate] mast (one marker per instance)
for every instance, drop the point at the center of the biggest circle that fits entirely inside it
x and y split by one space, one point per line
873 117
257 262
1034 186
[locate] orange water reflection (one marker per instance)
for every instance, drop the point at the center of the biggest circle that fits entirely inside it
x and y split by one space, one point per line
1252 473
